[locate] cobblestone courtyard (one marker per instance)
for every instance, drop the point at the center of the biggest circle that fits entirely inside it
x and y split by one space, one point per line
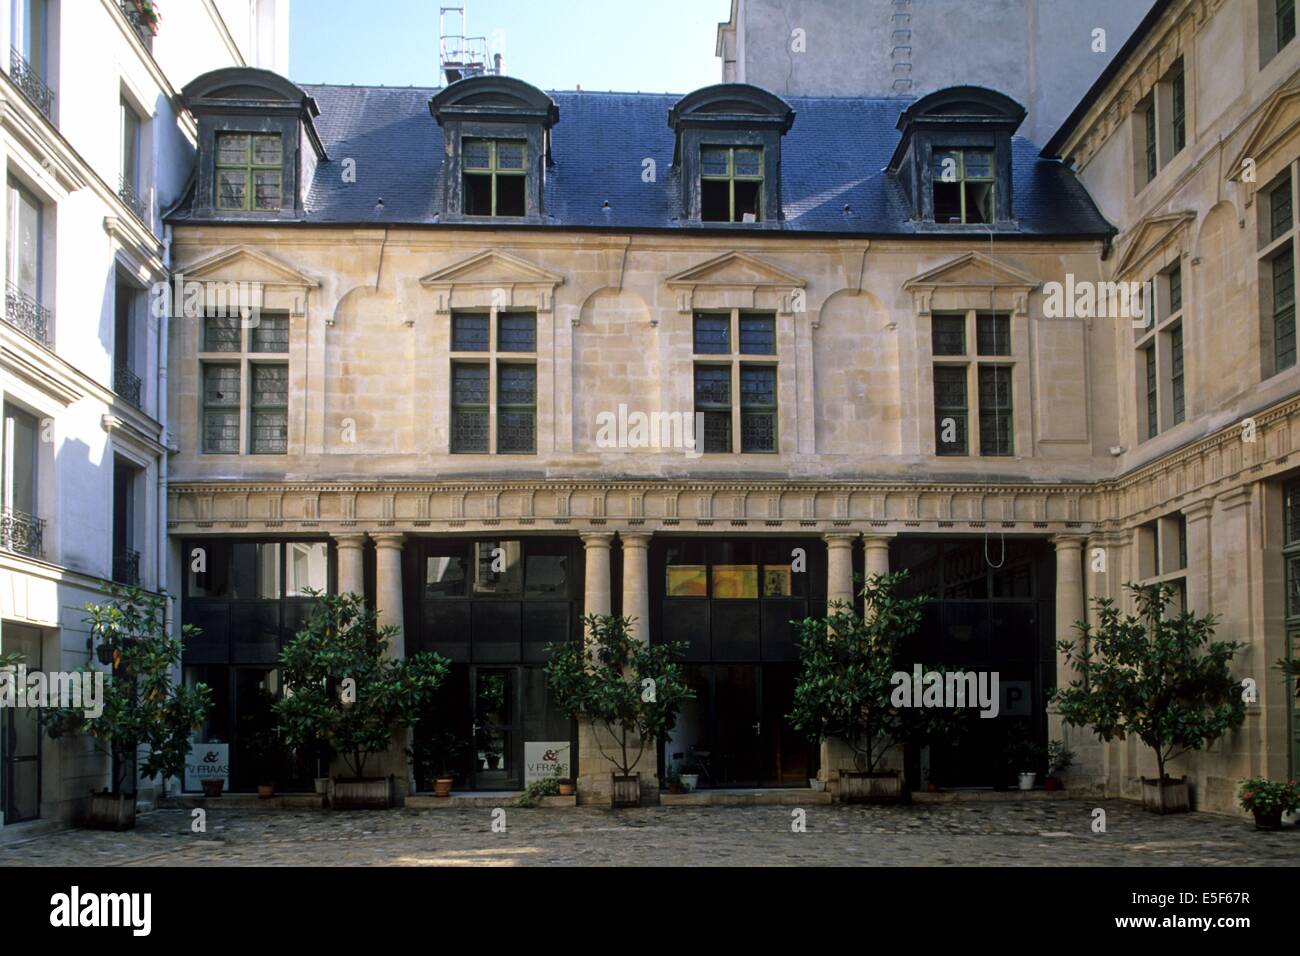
1056 833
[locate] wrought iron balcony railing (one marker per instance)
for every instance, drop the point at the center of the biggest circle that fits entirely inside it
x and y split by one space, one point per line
27 315
142 28
137 203
31 83
127 384
21 533
126 567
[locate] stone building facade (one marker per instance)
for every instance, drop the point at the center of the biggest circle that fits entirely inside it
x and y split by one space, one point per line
457 291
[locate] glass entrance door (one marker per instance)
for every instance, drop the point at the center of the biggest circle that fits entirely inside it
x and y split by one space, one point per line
496 730
20 736
738 720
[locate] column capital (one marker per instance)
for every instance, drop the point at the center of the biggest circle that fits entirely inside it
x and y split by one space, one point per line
351 539
597 539
879 539
388 539
840 538
1199 510
635 539
1236 497
1065 541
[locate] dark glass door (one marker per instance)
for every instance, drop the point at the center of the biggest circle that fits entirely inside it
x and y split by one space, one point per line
738 720
20 737
496 731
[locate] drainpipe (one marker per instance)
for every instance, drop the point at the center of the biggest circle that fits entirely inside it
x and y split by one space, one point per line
160 402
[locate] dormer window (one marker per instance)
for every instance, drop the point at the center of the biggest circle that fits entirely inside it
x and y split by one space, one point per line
954 157
496 147
496 176
728 154
964 185
731 184
248 171
258 145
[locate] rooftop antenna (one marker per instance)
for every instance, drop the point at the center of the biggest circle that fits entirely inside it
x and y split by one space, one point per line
460 55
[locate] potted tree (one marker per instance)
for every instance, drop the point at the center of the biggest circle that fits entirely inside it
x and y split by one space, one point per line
143 709
630 689
1025 755
845 686
435 758
266 752
1268 800
1059 759
342 689
1158 675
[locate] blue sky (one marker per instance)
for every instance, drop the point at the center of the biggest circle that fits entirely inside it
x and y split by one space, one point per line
661 46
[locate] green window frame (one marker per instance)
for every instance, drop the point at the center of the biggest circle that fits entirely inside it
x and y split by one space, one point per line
249 171
221 408
719 164
493 159
1175 290
713 400
268 413
951 402
976 182
948 334
1149 121
758 408
1178 109
516 409
1176 374
992 333
1280 209
1283 269
1152 393
1284 19
996 435
470 404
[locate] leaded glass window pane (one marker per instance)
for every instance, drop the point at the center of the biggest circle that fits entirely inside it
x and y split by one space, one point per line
757 335
748 162
1280 208
271 334
477 154
269 396
712 334
950 409
516 332
993 334
713 400
221 409
1153 398
948 335
516 409
469 407
995 409
757 408
714 160
1292 507
221 333
1283 310
1175 290
1176 374
1285 17
469 333
1178 101
510 154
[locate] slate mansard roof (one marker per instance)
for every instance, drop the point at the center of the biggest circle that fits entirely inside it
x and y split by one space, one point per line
834 156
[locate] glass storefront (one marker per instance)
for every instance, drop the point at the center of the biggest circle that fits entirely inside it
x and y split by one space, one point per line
732 601
491 607
248 597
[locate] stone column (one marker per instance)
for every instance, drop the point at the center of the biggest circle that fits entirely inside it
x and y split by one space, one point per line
594 784
636 582
839 567
1071 606
1200 560
835 754
877 556
388 587
351 577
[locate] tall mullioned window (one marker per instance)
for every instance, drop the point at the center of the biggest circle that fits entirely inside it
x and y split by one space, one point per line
494 369
1158 356
245 375
959 375
727 347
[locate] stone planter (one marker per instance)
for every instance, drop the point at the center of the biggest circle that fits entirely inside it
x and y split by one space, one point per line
626 790
1167 796
859 786
364 793
111 812
1268 819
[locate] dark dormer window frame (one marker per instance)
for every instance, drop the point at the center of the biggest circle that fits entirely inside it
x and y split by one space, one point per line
733 116
497 109
968 120
242 101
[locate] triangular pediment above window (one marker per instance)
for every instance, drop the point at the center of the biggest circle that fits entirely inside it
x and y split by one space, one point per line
1149 237
972 280
492 279
244 264
744 276
1277 124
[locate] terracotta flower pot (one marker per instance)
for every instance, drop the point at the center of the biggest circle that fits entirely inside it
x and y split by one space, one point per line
265 791
566 788
442 786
